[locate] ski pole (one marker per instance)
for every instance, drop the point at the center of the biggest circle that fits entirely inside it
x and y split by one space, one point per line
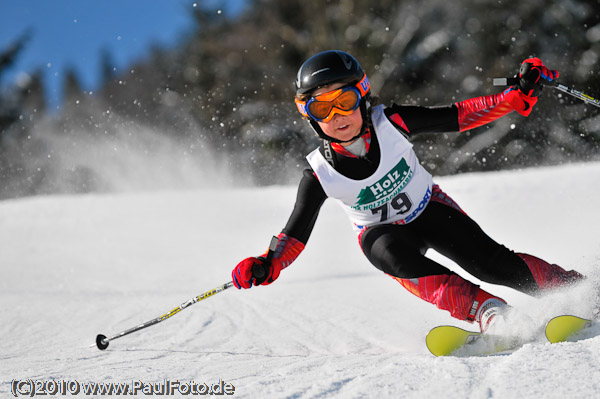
258 271
555 85
102 341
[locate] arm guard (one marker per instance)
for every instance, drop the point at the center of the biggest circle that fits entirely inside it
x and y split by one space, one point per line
479 111
287 250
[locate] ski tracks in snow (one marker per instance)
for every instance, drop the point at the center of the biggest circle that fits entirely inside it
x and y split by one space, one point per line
331 327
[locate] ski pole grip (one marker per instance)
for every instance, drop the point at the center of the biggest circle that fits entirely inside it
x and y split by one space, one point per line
505 81
514 81
272 247
260 271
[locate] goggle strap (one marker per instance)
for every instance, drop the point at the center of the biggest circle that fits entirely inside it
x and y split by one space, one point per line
363 85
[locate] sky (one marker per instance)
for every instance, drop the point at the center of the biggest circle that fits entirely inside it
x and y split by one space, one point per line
73 33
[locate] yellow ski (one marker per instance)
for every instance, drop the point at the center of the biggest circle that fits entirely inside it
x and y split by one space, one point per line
561 328
455 341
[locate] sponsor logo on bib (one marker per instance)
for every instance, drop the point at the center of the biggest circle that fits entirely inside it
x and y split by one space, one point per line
385 188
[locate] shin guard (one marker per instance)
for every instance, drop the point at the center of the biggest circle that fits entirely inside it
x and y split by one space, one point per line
549 276
447 292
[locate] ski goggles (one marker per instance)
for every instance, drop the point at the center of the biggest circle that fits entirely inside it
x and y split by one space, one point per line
343 101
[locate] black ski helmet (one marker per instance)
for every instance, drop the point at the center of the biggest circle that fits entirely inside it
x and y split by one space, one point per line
327 67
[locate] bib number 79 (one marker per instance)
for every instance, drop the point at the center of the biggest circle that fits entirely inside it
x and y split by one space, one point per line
400 204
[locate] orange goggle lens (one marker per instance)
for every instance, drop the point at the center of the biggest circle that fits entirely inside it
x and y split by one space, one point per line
343 101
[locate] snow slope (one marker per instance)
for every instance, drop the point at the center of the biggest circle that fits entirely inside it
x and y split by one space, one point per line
332 326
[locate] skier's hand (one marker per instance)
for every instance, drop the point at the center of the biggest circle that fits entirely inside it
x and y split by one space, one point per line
533 74
255 271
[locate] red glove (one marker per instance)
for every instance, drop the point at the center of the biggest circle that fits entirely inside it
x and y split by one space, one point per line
519 102
533 74
255 271
263 270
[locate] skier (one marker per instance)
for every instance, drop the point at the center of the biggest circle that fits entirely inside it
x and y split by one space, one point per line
366 163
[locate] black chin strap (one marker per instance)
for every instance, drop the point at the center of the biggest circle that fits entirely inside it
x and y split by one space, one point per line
328 153
362 132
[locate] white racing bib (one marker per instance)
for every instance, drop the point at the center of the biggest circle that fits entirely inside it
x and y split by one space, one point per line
397 192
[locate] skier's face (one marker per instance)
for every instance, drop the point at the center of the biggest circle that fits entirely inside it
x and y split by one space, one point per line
341 127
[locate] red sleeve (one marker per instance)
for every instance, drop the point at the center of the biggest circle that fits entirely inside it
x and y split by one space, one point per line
287 250
478 111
